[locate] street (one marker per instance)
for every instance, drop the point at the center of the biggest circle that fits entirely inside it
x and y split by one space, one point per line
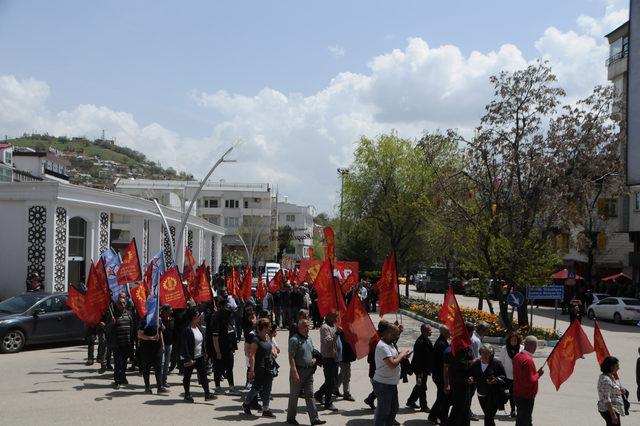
53 383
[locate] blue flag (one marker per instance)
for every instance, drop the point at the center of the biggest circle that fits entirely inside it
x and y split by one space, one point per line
153 300
111 266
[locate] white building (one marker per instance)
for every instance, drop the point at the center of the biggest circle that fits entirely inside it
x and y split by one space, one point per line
248 211
47 165
300 220
6 162
56 229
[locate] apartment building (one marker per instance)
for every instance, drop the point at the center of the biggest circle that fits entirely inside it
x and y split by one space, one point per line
300 220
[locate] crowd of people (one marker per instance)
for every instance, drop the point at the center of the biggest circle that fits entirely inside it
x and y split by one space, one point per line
207 337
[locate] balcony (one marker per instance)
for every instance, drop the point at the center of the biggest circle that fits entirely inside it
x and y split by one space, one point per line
617 56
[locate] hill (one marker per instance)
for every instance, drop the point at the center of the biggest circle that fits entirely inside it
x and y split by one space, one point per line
99 162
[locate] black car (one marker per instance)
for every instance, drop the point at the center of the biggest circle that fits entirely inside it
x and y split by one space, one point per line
37 318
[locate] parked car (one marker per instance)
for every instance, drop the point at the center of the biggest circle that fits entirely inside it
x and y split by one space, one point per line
37 318
618 309
598 297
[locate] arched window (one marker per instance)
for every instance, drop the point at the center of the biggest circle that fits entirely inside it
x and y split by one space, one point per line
77 250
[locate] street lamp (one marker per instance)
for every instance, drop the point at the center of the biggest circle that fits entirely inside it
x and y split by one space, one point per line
343 173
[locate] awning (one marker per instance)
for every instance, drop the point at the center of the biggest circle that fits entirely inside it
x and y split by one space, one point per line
564 275
614 277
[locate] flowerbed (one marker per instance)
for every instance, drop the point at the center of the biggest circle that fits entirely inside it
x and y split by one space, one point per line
430 311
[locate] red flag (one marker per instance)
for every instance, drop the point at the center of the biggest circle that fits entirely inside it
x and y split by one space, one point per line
203 291
171 291
229 282
378 285
75 300
311 253
447 312
329 296
129 271
245 291
348 283
146 279
261 291
98 298
189 270
599 345
330 244
359 329
277 282
292 276
389 299
452 315
139 297
573 344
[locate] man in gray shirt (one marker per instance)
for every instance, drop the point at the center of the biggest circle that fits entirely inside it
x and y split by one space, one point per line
301 364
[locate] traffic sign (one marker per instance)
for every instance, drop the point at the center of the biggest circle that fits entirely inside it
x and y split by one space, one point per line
550 292
515 299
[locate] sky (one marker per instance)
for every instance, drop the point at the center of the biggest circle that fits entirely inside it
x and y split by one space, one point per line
297 82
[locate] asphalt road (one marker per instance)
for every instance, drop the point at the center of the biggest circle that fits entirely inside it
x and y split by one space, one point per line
52 385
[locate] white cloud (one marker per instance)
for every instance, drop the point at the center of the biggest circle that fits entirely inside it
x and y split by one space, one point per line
297 141
337 51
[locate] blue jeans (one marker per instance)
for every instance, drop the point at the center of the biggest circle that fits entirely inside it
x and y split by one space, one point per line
388 406
263 385
166 361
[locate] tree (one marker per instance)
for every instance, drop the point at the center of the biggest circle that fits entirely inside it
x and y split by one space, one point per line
254 237
285 240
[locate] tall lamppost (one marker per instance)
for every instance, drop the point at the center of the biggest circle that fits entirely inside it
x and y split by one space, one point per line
343 173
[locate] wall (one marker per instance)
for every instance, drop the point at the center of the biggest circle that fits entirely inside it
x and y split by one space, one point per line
13 246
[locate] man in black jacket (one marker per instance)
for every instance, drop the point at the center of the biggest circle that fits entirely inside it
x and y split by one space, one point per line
421 364
440 408
121 342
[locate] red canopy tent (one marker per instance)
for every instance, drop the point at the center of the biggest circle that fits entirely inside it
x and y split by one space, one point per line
564 275
614 277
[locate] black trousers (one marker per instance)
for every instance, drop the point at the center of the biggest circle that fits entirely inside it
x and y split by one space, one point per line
150 359
200 366
460 403
440 408
330 369
489 408
120 355
90 338
224 367
607 418
525 411
419 392
512 402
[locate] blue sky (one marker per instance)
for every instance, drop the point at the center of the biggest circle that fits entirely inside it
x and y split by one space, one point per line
169 77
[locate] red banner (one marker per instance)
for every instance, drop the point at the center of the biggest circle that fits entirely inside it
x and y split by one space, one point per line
245 291
359 329
342 269
329 244
389 300
277 282
98 298
139 297
189 270
171 291
573 345
261 291
452 315
129 271
75 300
329 296
203 291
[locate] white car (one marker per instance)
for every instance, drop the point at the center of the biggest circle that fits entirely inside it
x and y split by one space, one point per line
618 309
598 297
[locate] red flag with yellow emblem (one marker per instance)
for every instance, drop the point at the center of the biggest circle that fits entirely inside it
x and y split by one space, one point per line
129 271
389 300
348 283
573 345
75 300
98 298
170 289
328 288
189 270
202 291
139 297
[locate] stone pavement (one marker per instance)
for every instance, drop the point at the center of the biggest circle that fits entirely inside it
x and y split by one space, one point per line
52 385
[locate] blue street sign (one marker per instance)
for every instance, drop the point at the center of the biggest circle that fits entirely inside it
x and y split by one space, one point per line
515 299
550 292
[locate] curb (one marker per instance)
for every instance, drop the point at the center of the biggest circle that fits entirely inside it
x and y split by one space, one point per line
489 339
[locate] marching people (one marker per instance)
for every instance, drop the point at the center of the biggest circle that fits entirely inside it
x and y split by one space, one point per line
151 349
261 368
511 348
421 366
224 343
301 363
440 408
525 381
457 386
346 357
194 355
387 376
610 393
488 374
371 360
476 332
330 348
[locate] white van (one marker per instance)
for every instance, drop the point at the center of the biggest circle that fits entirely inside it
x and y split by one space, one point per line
270 270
